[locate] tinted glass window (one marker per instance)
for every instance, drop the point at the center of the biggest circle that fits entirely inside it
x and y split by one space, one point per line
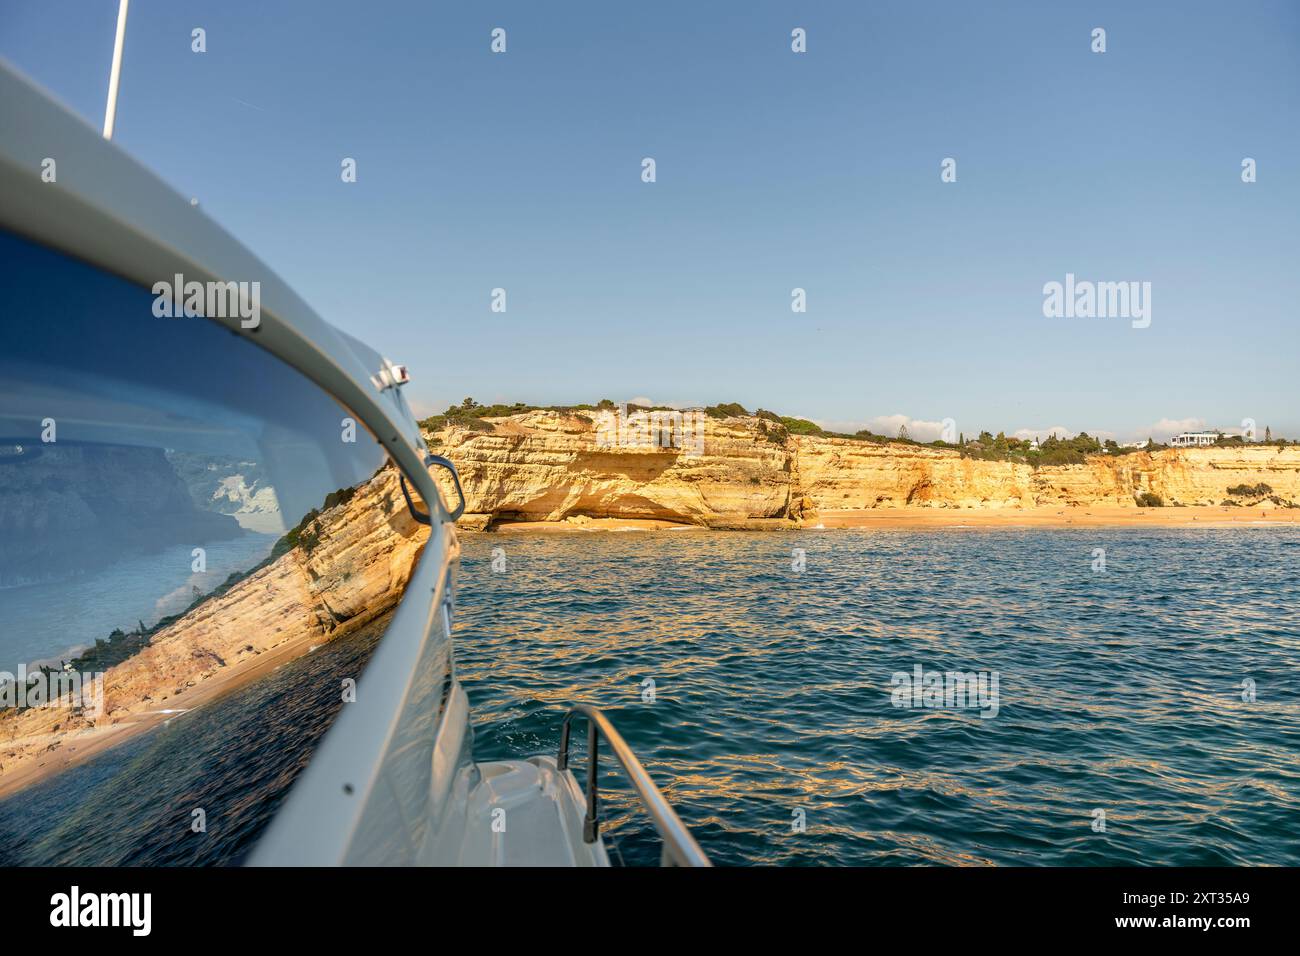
198 549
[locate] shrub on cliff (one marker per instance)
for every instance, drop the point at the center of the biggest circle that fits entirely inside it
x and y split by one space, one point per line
1083 443
801 426
1149 499
340 497
472 424
1062 456
469 414
726 410
774 432
1251 491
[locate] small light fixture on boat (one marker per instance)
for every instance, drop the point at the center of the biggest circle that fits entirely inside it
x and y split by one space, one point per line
394 376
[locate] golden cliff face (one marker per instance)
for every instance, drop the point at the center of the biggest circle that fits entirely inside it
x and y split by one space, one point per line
545 466
838 473
548 466
1187 476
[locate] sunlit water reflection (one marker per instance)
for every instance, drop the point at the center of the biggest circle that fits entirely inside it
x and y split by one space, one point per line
1120 691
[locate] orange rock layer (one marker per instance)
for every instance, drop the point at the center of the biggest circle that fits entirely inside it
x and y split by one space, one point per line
549 466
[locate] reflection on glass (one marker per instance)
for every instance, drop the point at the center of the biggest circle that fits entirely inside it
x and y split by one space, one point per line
180 514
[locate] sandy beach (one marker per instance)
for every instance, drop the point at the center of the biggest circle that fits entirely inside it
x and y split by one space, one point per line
1205 516
1208 516
590 524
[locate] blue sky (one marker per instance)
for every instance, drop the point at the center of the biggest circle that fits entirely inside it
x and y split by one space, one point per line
775 170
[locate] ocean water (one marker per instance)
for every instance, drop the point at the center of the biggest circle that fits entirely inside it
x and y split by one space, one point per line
773 727
234 759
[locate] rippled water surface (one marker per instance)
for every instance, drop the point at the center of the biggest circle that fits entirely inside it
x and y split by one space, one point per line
234 759
1120 691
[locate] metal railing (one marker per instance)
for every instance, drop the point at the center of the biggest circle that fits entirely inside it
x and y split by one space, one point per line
680 848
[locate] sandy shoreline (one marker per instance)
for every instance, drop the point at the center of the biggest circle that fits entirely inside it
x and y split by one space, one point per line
1202 516
591 524
1205 516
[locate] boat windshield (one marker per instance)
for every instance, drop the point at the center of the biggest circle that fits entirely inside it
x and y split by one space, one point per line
199 548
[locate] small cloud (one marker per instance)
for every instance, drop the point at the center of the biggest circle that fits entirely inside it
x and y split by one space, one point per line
917 429
1060 431
1029 434
1169 427
421 409
888 425
644 400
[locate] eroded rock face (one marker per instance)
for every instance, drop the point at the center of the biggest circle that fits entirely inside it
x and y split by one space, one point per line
1186 476
838 473
545 466
548 466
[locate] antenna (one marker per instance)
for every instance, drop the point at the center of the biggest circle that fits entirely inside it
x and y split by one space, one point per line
110 110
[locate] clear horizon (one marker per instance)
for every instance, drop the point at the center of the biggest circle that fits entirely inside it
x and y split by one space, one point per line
775 171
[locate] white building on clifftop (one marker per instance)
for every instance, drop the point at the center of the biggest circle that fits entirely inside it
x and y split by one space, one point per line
1194 439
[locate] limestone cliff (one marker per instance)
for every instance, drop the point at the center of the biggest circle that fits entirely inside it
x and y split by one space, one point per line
545 466
549 466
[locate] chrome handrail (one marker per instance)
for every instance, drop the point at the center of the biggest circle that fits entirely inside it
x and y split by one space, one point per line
680 848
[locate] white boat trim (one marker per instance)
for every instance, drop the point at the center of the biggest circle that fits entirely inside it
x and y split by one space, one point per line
393 780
